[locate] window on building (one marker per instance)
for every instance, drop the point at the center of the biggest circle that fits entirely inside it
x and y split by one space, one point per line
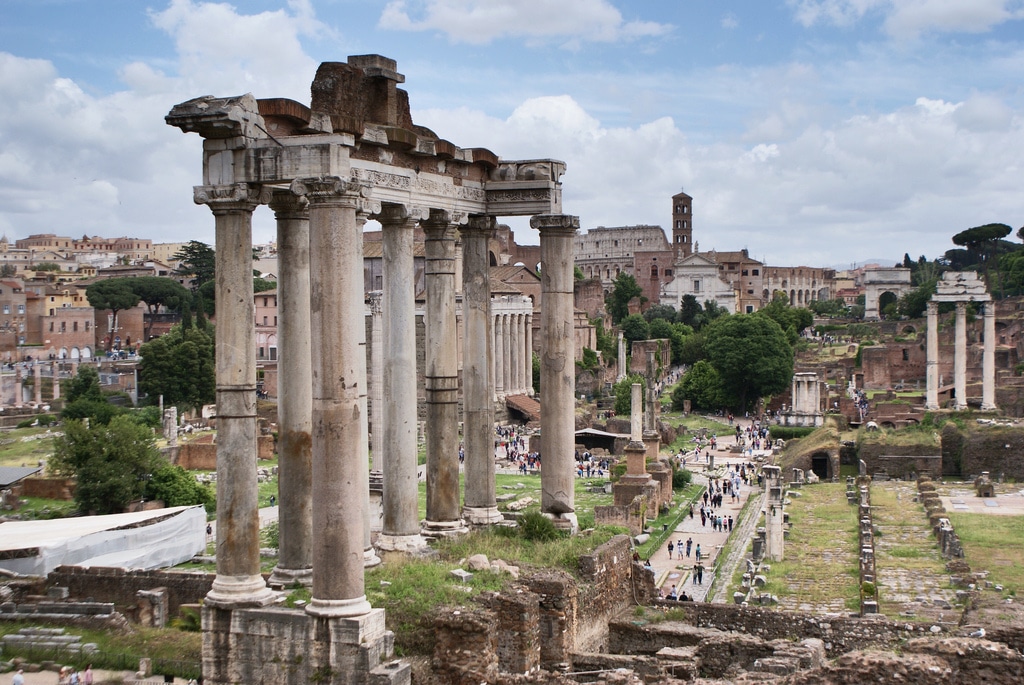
756 272
88 325
654 272
51 327
616 243
21 309
906 355
685 209
275 320
74 326
750 309
264 318
63 326
696 286
259 354
685 225
745 272
273 354
7 309
668 272
750 292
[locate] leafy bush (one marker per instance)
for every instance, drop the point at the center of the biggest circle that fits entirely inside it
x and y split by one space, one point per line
178 488
27 423
790 432
537 527
681 478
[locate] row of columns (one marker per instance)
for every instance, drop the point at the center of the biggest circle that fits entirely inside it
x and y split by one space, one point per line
513 344
323 448
37 369
988 359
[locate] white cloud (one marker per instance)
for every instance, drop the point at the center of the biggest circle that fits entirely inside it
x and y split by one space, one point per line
482 21
906 19
729 21
864 186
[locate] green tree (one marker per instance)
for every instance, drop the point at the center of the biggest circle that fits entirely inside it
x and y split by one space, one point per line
179 366
261 285
197 261
712 311
47 266
702 386
176 487
664 312
577 274
8 270
792 320
690 312
691 350
624 289
158 292
111 463
115 294
85 385
913 304
589 360
634 327
607 344
752 356
623 393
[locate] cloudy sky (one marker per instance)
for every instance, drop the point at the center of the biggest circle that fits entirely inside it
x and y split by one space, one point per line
818 132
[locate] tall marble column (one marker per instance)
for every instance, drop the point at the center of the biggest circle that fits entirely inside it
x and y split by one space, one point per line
515 346
238 582
529 354
988 359
401 531
480 506
56 380
506 344
18 388
441 379
377 378
499 355
960 356
37 379
622 357
338 351
557 367
931 401
295 395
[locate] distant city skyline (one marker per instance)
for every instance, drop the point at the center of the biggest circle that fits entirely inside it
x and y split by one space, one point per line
816 132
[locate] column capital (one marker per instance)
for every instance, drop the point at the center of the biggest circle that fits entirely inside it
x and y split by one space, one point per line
396 214
375 298
961 307
480 224
339 192
555 223
286 205
232 197
443 219
932 307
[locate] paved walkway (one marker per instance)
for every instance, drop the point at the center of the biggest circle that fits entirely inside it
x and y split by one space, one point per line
678 570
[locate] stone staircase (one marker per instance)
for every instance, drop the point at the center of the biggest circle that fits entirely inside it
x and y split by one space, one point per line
48 640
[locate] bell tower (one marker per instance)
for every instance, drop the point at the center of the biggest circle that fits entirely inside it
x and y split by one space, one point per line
682 225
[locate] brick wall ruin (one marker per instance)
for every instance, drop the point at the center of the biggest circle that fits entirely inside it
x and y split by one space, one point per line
120 586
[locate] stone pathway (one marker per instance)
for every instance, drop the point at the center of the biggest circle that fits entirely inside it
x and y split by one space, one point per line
741 536
912 579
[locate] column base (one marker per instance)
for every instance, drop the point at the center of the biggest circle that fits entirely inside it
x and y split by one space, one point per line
960 407
443 529
482 516
290 577
370 558
931 407
989 407
567 522
409 544
339 608
239 592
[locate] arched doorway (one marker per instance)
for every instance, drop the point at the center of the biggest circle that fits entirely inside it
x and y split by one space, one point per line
821 465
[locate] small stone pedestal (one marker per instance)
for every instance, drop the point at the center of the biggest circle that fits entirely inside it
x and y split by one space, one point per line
291 647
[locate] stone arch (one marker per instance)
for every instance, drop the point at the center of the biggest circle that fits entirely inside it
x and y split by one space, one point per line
492 259
807 296
878 282
765 294
86 352
909 329
792 297
885 299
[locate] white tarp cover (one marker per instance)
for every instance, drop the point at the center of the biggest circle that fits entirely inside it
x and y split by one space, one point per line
159 538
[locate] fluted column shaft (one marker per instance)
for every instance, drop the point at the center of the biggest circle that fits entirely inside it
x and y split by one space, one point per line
988 359
516 343
499 355
557 366
480 504
441 378
238 581
529 353
932 356
295 394
377 378
401 517
338 350
960 356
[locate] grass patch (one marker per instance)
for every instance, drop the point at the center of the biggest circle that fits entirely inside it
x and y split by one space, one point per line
174 652
821 551
21 447
994 544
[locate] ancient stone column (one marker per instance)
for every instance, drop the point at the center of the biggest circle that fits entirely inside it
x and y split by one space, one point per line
530 351
506 344
636 451
18 392
932 355
479 506
401 531
557 367
56 380
499 355
338 341
441 379
988 359
960 356
294 394
238 582
622 357
37 376
377 378
517 352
